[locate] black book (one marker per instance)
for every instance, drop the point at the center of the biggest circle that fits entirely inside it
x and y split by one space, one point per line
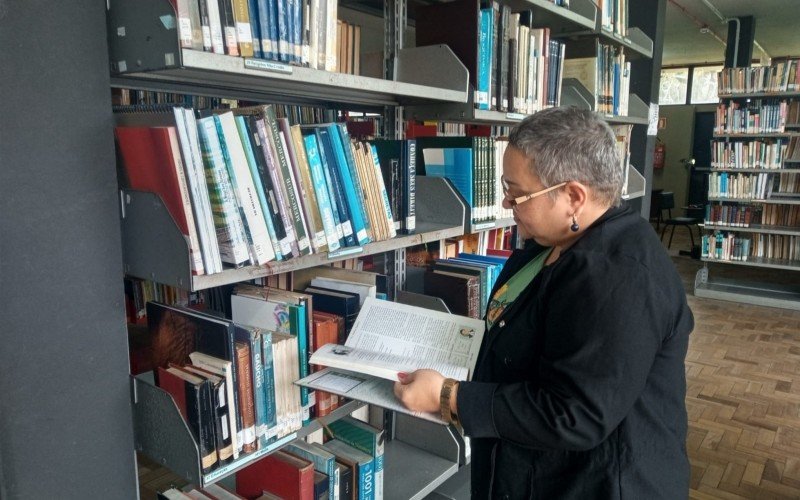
346 485
340 303
320 486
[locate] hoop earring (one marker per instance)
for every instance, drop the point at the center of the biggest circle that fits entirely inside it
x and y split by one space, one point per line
574 227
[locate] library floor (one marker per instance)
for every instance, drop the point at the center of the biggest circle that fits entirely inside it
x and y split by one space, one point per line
743 394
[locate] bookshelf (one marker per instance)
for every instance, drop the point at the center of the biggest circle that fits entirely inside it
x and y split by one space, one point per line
753 200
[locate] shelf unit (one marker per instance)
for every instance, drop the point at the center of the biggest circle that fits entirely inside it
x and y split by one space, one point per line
760 294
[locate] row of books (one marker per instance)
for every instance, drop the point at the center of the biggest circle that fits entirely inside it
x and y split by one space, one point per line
512 66
473 165
752 186
759 116
266 190
302 32
606 76
614 16
349 465
762 246
781 76
719 246
747 215
763 153
138 292
464 283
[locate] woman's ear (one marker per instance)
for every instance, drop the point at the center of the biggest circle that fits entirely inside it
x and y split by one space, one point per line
577 196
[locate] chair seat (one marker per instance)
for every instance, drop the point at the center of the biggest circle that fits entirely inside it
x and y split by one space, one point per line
681 221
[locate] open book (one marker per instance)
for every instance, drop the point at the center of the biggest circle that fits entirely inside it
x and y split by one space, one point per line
388 338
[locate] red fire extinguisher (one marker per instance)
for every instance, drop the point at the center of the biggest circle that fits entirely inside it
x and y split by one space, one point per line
659 154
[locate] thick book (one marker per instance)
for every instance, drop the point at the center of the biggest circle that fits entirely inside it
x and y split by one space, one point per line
326 331
388 338
324 461
280 473
246 403
222 418
346 481
341 303
459 291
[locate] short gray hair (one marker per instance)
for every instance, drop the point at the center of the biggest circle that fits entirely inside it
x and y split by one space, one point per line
571 144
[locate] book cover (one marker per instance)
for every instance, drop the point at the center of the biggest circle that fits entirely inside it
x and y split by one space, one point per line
246 402
228 27
366 438
336 185
330 222
311 204
360 463
341 303
244 32
324 462
222 427
280 473
459 291
346 481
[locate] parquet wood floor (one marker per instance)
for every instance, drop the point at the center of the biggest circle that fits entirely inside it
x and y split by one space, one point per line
743 391
743 394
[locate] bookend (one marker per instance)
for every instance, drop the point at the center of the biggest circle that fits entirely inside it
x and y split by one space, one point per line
439 205
574 93
635 185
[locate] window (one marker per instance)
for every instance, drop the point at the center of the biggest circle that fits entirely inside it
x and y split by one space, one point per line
704 84
674 82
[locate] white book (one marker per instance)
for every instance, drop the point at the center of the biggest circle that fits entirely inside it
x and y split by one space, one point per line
242 180
388 338
215 24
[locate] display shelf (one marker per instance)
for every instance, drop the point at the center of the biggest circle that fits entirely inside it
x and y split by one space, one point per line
574 93
461 113
637 43
784 264
155 249
755 228
636 184
774 201
143 55
580 15
760 294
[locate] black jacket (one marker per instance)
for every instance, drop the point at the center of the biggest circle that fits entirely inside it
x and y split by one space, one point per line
579 388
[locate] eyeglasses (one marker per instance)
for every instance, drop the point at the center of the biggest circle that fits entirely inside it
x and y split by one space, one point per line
514 202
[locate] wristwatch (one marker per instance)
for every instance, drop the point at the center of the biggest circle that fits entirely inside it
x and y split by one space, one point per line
444 401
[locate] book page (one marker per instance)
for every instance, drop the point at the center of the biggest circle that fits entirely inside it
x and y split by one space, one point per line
371 390
379 364
416 333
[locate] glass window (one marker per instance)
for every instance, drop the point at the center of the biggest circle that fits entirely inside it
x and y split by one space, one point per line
704 84
674 83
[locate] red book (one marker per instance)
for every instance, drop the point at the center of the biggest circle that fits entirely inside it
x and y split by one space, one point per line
281 473
326 331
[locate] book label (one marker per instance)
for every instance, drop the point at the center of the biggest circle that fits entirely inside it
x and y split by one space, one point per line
263 65
515 116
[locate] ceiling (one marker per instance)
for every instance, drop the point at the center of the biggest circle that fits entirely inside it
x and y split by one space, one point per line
776 22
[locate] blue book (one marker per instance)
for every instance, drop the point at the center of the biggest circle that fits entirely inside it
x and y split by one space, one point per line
485 58
246 137
328 157
454 164
270 412
255 27
265 21
333 195
344 138
347 183
329 221
282 14
366 438
492 259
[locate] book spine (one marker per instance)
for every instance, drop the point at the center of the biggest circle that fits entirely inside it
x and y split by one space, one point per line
215 22
265 21
290 190
190 30
228 27
331 43
333 180
207 440
253 163
282 14
255 28
205 24
323 199
387 206
307 192
409 187
259 392
232 248
350 182
246 406
299 195
484 59
270 419
244 31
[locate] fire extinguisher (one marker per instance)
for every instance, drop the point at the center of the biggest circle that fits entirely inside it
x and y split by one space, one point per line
659 154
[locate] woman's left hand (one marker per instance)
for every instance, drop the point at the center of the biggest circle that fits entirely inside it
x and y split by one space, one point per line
419 391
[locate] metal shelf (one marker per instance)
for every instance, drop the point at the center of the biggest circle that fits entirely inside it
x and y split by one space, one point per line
758 135
757 170
755 228
784 264
637 43
144 55
579 16
574 93
752 95
155 249
774 201
770 295
636 186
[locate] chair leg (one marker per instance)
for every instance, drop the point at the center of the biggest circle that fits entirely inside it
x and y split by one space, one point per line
663 231
671 234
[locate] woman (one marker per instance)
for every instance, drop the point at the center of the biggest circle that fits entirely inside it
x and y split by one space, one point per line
579 387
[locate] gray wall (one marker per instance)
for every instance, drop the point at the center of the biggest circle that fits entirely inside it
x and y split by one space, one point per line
65 411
